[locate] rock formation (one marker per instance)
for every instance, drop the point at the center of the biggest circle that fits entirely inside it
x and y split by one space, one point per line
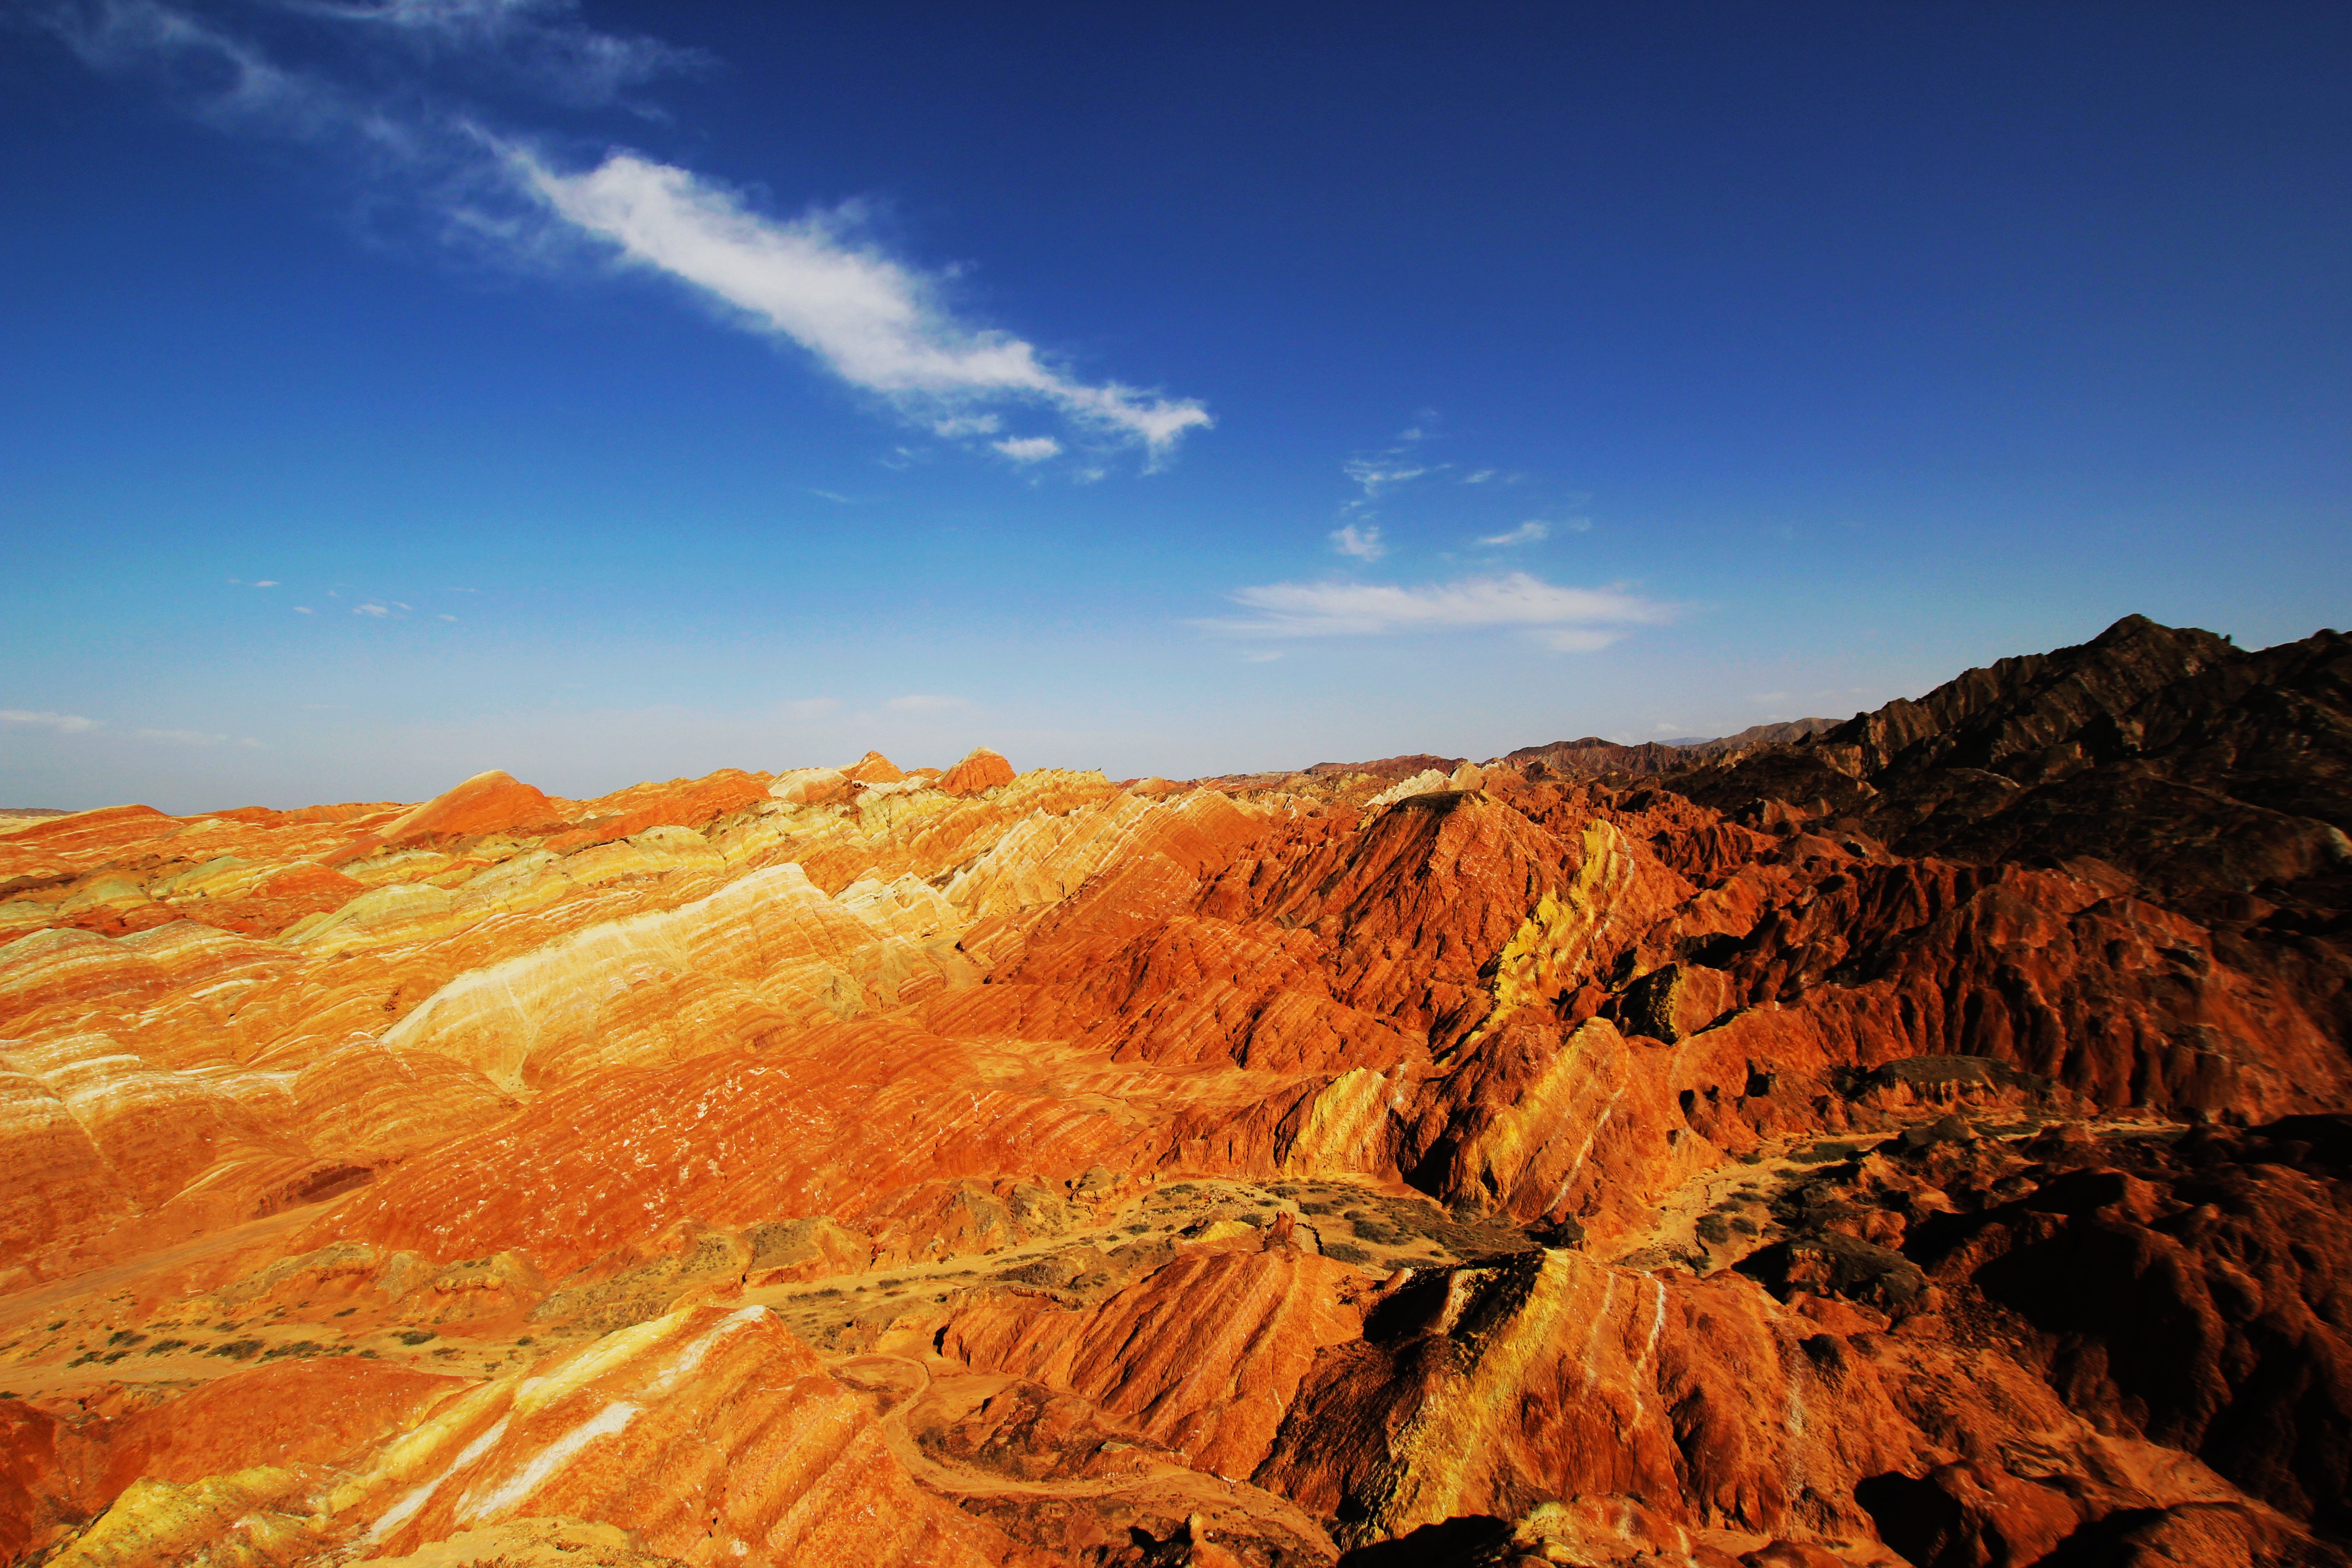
1922 1139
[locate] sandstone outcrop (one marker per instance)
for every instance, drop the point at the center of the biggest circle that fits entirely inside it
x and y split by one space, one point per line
1918 1140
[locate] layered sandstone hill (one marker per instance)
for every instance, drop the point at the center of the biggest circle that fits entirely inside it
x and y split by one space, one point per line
1923 1142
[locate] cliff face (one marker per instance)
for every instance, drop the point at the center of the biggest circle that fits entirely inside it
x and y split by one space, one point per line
1920 1141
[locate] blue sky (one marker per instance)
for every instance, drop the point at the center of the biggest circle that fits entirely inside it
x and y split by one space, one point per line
391 389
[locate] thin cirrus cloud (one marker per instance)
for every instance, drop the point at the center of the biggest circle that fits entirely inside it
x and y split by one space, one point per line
1364 543
1029 449
1378 474
1573 620
378 87
539 43
77 724
192 738
63 723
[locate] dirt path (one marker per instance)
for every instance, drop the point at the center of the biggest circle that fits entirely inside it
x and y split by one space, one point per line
939 1392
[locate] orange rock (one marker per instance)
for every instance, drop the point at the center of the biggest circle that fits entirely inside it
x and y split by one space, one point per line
811 786
681 803
492 802
293 1412
873 768
981 769
708 1431
1203 1355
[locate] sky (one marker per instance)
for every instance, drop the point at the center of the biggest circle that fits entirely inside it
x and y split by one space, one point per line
394 389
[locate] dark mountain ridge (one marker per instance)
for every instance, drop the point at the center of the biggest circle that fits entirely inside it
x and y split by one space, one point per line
2221 779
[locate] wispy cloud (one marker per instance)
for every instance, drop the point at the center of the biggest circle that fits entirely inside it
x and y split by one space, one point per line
304 610
376 611
964 424
539 43
1029 449
875 321
267 583
1478 477
1529 533
1378 474
1363 543
63 723
386 86
76 724
1571 619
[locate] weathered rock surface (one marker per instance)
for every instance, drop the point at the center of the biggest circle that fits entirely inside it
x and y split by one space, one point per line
1923 1139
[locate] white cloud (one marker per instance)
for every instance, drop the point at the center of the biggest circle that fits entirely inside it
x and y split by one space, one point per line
446 617
1363 543
1377 474
1570 619
1529 533
967 424
378 611
1479 478
1029 449
395 109
875 321
304 610
63 723
1263 655
267 583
